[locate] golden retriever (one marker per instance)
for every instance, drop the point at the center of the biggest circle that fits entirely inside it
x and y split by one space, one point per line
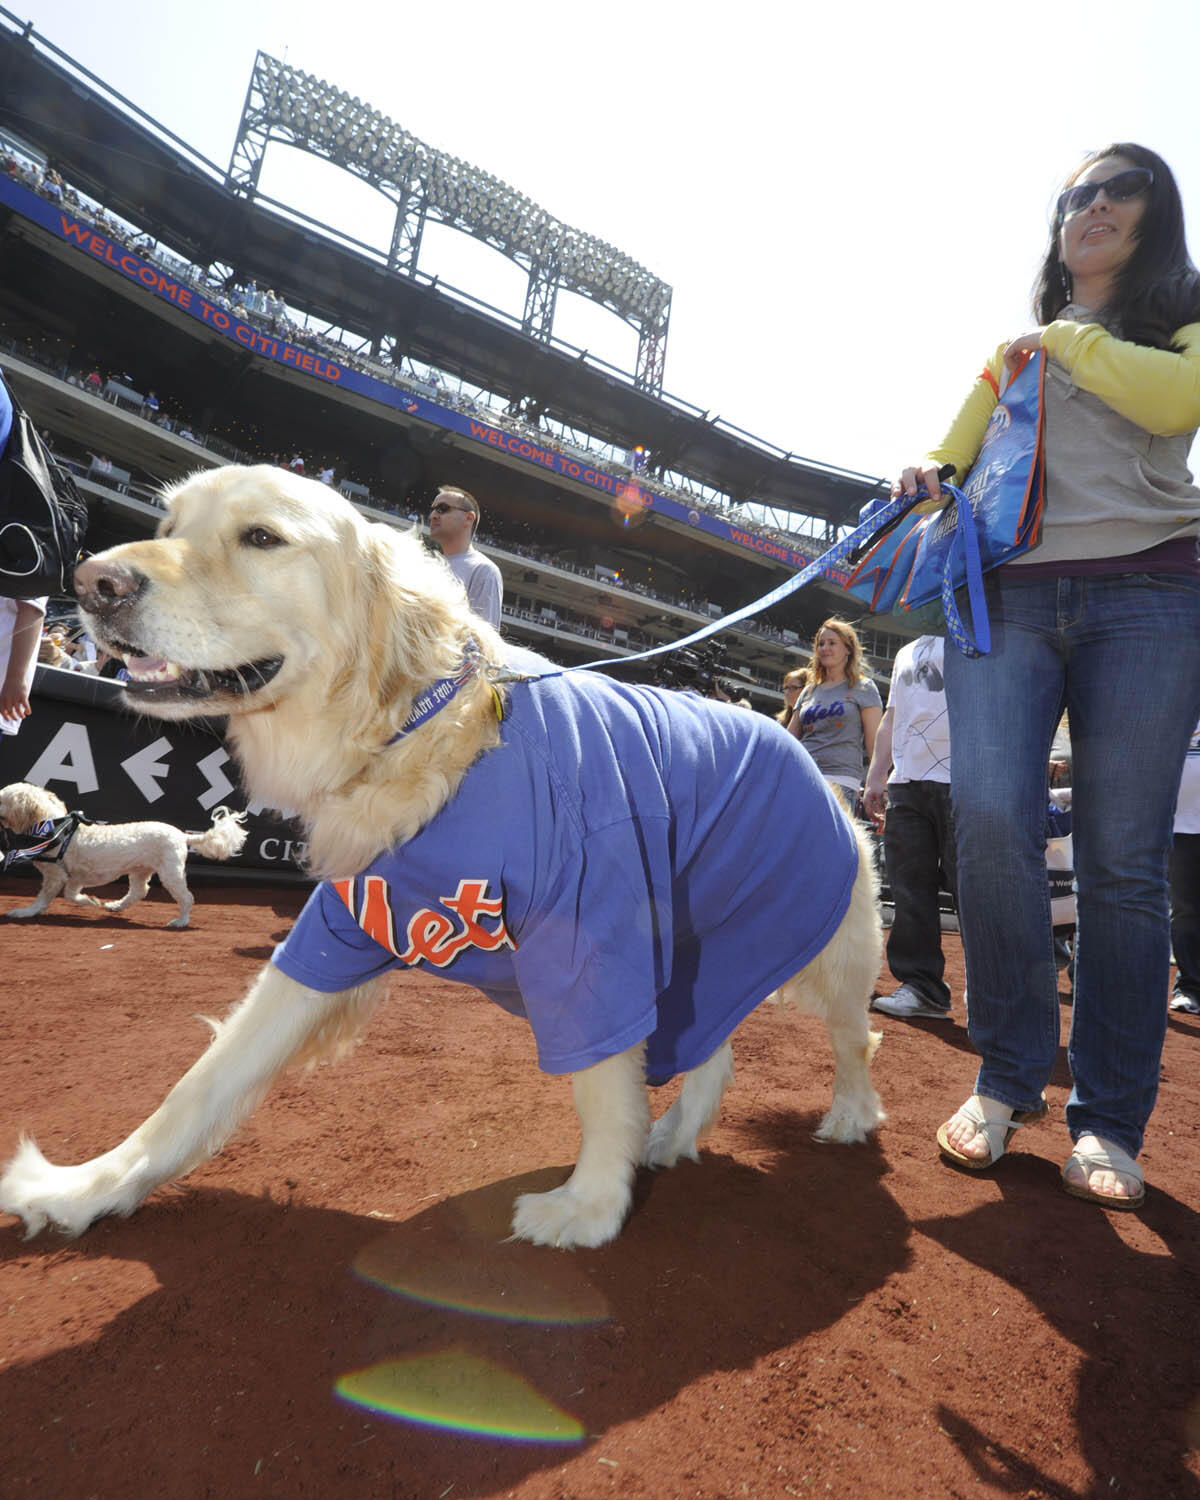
269 599
99 853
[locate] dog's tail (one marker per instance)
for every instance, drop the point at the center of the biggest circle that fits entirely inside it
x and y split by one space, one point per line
223 840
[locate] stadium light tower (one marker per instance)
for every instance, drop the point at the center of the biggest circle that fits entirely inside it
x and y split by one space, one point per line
285 104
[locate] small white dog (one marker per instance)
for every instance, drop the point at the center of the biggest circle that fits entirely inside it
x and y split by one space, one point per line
631 870
102 852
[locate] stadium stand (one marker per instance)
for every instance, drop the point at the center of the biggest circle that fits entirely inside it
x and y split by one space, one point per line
607 543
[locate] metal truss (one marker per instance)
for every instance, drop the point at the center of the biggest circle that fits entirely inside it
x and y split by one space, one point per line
652 354
407 234
384 349
541 298
254 131
287 105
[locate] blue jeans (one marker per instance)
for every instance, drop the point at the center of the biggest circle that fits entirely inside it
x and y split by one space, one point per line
1122 654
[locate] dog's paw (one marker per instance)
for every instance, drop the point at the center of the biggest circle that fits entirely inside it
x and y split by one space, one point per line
18 1187
668 1144
70 1198
24 911
567 1221
850 1122
24 1185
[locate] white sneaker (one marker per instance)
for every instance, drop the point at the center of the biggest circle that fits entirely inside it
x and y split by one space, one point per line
1181 1001
910 1005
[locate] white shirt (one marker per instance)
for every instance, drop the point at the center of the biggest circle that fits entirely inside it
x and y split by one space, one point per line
8 623
920 723
1187 809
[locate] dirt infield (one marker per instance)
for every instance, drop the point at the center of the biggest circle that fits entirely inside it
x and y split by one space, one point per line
783 1319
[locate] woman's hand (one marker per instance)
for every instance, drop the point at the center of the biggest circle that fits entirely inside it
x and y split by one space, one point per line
920 475
1028 343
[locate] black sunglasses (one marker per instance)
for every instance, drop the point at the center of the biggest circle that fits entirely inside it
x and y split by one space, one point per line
1127 184
441 508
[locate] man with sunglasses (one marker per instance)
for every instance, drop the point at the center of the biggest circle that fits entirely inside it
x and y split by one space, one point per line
453 522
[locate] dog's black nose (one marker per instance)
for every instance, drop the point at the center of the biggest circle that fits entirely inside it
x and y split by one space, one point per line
101 584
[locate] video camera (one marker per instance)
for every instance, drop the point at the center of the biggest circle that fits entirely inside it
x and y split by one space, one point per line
697 668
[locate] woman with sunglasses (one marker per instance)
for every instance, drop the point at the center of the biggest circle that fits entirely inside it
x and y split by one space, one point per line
794 683
1102 618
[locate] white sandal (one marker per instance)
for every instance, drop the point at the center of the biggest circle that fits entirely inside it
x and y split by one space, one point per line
1107 1158
996 1128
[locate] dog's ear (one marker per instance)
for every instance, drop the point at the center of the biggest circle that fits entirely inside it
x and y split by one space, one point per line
411 618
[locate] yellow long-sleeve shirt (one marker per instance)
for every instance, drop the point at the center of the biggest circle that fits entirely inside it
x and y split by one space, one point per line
1120 419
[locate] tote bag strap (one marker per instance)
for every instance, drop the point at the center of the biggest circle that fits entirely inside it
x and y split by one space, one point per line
966 542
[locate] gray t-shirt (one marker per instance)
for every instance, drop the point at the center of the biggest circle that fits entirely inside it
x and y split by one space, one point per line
828 722
1112 488
482 580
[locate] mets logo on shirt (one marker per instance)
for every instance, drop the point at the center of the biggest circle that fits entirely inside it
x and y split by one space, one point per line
817 713
435 935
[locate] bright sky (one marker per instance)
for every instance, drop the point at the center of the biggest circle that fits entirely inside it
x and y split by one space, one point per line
850 201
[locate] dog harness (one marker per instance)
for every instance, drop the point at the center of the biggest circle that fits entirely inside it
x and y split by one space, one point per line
46 844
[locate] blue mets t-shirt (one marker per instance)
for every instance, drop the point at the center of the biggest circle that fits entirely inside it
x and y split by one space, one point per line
628 863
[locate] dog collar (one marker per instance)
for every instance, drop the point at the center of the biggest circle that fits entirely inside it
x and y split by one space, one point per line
435 697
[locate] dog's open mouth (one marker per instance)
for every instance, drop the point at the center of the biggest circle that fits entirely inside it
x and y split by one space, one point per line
153 677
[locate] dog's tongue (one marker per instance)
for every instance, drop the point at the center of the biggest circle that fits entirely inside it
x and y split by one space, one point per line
151 669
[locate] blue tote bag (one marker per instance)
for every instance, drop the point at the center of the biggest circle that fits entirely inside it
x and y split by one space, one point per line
994 517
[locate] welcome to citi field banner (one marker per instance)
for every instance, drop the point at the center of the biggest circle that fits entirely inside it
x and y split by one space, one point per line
628 494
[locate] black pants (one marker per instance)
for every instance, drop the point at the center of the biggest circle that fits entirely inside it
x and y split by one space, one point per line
918 843
1185 911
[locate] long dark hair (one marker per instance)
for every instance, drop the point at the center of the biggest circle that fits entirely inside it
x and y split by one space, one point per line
1157 290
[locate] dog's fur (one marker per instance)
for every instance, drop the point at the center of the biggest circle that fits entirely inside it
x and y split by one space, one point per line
258 566
103 852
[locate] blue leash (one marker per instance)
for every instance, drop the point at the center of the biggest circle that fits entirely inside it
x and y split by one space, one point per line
828 565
